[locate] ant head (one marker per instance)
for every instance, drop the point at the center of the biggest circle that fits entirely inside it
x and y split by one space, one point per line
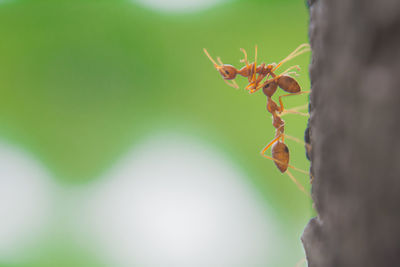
228 72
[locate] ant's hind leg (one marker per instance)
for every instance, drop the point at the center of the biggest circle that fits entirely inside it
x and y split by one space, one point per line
297 140
297 183
295 110
298 108
281 103
301 49
288 70
291 175
268 157
289 166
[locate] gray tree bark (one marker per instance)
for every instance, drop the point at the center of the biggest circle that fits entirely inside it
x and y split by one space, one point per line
354 131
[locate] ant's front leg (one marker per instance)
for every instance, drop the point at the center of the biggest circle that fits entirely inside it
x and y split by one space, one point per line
245 58
254 85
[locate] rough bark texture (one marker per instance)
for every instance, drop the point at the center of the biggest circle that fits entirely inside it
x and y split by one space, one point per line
355 133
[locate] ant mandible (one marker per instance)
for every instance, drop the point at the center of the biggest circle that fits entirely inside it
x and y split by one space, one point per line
255 75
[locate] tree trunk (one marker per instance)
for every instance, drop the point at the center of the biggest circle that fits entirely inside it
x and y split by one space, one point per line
354 131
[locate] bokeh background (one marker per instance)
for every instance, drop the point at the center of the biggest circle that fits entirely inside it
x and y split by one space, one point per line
122 146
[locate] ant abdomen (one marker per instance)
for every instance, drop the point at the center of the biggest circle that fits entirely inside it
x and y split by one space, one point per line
280 153
288 84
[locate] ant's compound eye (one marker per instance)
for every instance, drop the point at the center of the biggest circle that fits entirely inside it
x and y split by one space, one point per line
226 72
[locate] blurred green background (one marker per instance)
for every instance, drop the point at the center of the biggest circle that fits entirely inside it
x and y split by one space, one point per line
84 82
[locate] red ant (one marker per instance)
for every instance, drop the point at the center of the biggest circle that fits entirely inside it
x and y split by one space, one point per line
250 71
255 75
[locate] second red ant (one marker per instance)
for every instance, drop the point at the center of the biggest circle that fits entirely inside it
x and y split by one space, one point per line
255 75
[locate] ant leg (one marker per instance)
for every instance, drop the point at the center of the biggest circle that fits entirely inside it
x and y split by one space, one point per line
253 86
291 175
233 84
290 111
255 65
270 144
297 140
295 110
289 166
297 67
297 183
301 49
245 58
280 98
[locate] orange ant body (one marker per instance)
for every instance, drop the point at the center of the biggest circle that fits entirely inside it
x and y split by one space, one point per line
255 75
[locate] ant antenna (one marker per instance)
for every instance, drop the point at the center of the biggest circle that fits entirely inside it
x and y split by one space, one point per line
212 60
297 52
